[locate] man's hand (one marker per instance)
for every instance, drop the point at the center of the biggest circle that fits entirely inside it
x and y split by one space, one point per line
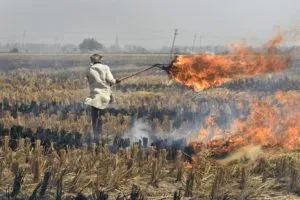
118 81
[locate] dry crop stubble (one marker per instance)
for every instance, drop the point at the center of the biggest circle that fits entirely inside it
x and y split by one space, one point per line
271 174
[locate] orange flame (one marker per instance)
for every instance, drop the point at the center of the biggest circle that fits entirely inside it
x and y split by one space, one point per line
207 70
268 124
188 165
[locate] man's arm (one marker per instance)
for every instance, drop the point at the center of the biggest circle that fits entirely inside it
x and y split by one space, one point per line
110 78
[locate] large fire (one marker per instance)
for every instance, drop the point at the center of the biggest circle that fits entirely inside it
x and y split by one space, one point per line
207 70
272 122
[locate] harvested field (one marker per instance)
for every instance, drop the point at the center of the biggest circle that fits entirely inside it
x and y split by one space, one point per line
160 140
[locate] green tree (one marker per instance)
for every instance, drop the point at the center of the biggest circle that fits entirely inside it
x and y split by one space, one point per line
14 50
90 44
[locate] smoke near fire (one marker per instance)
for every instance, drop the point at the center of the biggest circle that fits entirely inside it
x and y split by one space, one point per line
207 70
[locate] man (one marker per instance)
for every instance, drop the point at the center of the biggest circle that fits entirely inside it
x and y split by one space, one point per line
100 80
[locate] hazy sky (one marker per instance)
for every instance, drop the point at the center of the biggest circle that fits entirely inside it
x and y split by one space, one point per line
149 23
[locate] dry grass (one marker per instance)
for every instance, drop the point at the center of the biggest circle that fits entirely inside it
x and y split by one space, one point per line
66 173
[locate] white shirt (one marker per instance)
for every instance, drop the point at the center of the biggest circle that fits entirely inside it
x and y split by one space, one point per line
100 80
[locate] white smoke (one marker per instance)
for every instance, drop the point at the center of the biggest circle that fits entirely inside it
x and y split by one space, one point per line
142 129
139 130
251 152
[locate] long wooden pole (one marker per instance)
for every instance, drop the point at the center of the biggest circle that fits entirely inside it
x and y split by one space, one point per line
173 43
136 73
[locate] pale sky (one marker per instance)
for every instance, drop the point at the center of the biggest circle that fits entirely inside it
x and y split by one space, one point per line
149 23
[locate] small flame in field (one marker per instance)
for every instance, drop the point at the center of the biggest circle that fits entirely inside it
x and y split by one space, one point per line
207 70
188 165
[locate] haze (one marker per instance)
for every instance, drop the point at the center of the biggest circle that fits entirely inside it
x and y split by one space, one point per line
148 23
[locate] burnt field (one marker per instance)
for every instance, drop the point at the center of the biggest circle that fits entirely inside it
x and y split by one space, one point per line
160 139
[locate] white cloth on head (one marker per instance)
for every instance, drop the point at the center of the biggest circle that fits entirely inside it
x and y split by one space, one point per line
100 80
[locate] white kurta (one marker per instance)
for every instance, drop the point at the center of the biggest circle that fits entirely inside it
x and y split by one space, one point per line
100 80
